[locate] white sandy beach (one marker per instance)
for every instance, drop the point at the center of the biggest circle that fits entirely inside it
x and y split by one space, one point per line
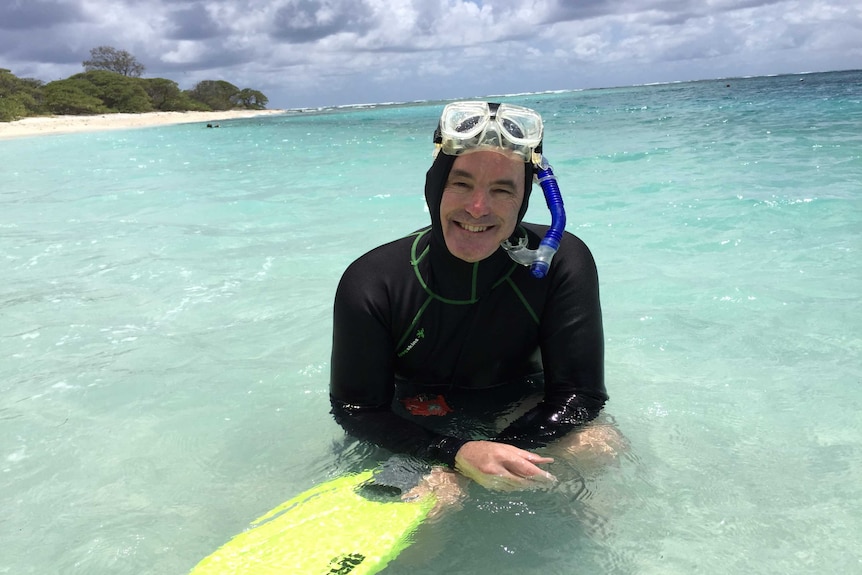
47 125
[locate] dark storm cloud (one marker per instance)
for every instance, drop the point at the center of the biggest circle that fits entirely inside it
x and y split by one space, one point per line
566 10
55 53
37 14
18 46
672 11
302 21
192 22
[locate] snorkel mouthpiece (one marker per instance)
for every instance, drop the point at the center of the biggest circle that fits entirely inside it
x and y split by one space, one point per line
539 259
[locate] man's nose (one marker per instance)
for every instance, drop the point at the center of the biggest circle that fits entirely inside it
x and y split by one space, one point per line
478 202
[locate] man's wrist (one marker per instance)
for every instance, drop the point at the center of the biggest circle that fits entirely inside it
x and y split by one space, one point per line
444 449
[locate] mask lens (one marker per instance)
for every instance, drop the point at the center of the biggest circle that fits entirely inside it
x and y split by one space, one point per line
464 119
512 128
523 126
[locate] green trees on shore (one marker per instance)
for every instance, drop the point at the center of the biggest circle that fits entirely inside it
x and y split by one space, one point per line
18 96
111 83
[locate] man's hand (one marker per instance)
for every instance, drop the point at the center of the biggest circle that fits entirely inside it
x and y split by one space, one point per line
502 467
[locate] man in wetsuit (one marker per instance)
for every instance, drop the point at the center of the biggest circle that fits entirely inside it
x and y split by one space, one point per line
440 336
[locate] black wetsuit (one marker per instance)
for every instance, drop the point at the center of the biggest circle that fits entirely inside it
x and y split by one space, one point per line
409 314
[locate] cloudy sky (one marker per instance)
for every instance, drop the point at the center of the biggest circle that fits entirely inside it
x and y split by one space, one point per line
308 53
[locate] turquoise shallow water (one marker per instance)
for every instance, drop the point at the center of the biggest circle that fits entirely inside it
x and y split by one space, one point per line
165 331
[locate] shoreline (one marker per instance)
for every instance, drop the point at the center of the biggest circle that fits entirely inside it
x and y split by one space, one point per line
49 125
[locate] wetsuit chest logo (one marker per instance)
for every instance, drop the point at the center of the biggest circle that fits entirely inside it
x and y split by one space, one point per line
420 334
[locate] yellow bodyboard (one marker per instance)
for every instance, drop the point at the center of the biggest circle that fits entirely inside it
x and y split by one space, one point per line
331 529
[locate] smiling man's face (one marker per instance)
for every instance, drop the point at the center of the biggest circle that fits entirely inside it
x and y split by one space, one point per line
480 204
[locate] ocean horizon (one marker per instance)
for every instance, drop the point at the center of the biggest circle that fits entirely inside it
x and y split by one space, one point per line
490 97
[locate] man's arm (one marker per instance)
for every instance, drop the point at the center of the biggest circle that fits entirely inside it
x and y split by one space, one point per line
362 380
572 344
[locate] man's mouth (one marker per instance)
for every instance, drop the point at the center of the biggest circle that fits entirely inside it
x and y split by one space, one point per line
472 229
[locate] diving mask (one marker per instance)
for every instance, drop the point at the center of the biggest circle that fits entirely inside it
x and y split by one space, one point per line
467 126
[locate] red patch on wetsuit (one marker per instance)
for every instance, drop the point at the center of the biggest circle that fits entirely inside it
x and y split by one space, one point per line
426 405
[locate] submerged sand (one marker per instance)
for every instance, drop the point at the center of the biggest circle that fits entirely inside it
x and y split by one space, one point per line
47 125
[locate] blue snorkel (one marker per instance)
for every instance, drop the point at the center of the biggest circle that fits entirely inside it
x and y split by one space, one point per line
539 259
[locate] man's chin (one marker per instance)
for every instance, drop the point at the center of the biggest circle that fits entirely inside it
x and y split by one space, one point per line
470 253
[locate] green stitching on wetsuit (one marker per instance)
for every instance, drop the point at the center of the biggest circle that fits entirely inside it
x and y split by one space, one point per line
505 276
523 300
414 261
